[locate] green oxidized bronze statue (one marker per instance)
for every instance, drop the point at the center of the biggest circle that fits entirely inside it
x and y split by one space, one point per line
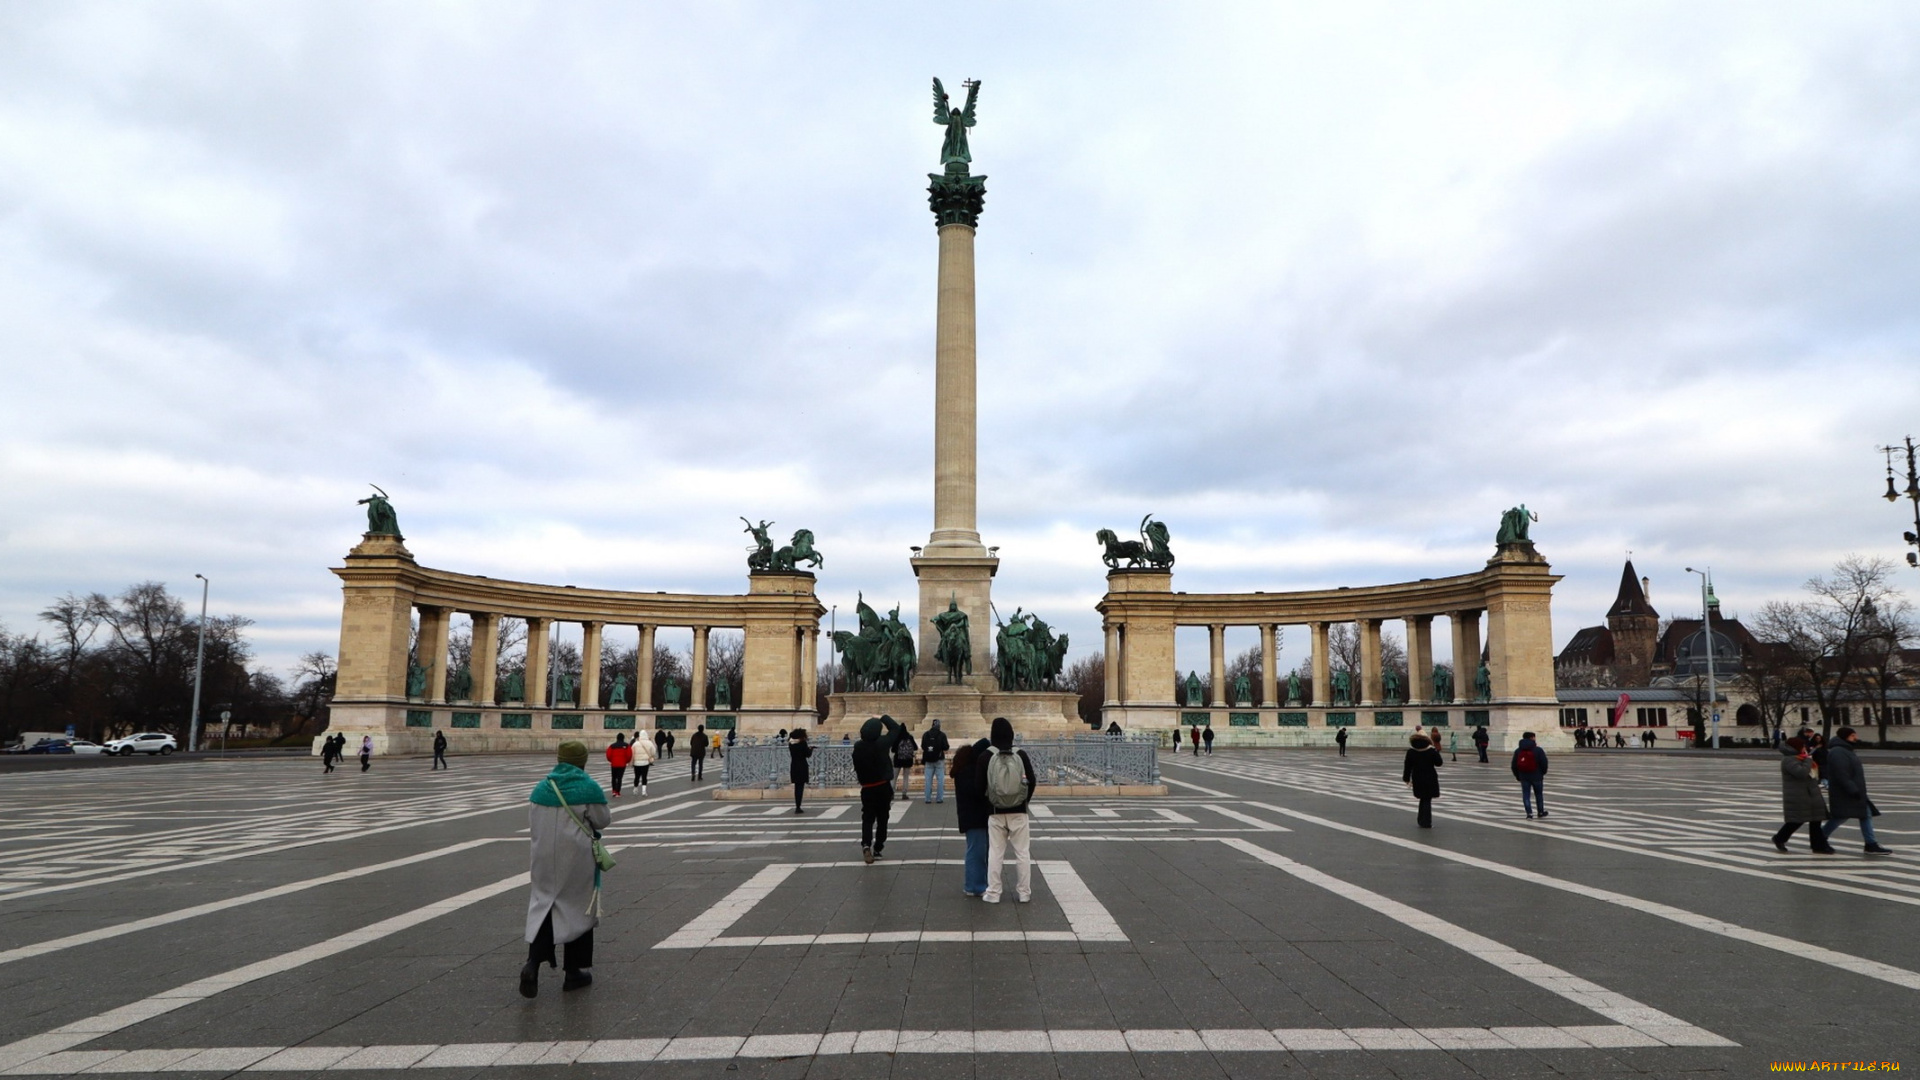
1342 688
1027 655
1150 550
416 681
881 656
955 197
1513 526
1442 684
956 643
761 558
460 684
1293 688
1242 690
1390 687
1483 685
1195 695
722 693
381 520
618 698
801 550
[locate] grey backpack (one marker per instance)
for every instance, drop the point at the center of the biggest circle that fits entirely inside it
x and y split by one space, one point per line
1006 779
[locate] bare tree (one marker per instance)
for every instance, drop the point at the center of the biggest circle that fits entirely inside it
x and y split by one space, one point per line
313 685
1829 634
1889 629
1246 663
1087 677
726 658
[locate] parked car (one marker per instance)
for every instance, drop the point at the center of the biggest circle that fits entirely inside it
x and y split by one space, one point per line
50 746
84 746
146 742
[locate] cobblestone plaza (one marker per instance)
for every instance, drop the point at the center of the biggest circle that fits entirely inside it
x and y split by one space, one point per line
1278 914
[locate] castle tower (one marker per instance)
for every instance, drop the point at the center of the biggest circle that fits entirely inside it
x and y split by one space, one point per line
1636 627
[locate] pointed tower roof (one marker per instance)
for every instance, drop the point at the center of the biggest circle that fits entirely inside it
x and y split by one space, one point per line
1631 601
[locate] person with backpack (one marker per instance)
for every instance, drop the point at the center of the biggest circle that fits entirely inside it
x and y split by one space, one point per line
903 750
1480 741
697 753
439 750
1009 783
933 762
1530 768
970 803
1421 774
798 769
619 755
1847 789
1206 735
873 768
1340 740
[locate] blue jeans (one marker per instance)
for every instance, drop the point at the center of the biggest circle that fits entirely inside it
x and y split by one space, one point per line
976 874
1533 792
933 769
1866 829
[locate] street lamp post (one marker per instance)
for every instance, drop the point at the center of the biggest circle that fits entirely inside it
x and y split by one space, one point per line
199 665
1707 603
1912 493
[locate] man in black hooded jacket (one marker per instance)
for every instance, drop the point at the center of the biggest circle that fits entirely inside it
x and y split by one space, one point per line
873 767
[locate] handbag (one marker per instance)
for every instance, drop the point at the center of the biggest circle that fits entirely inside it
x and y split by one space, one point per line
602 858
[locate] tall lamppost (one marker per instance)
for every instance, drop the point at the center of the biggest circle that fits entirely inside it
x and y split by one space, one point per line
1708 604
1912 492
199 665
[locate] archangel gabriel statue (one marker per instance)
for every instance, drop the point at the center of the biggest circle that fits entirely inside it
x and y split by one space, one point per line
955 121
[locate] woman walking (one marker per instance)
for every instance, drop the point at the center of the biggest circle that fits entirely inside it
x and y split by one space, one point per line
1453 745
568 813
970 802
619 755
1422 773
366 752
1801 802
642 760
798 770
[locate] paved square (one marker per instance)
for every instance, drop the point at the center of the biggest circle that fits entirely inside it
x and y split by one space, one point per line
1278 915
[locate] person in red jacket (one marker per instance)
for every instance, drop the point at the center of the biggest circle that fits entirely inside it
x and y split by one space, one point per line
1195 732
619 755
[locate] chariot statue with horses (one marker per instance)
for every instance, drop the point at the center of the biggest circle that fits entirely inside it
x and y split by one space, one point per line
765 557
1150 551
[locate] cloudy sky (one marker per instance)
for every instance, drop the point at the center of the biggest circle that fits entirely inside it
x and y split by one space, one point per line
1325 286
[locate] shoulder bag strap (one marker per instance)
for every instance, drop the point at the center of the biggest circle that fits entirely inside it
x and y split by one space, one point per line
569 809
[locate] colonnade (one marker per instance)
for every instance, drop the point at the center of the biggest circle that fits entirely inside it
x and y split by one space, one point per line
1512 597
383 588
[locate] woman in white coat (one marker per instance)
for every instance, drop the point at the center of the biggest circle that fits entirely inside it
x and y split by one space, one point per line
642 758
568 813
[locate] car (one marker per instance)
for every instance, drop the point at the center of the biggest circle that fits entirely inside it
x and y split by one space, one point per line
50 746
85 746
146 742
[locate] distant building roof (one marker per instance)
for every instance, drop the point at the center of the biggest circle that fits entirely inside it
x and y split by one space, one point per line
1591 645
1632 599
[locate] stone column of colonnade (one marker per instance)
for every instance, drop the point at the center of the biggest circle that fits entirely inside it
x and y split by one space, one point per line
1322 667
1217 664
486 655
643 675
1419 659
588 696
1466 653
808 676
1269 661
1369 688
434 623
538 633
697 696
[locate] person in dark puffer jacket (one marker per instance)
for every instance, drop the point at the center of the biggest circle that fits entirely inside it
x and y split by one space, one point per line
873 766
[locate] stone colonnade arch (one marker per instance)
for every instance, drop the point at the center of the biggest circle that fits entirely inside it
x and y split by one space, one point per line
1141 611
383 587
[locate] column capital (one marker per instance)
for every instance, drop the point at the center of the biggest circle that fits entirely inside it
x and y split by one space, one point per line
955 197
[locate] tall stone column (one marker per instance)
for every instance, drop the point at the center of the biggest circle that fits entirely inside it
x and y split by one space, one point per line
643 671
1322 667
955 567
1369 660
809 695
539 631
589 695
1419 659
1269 661
697 699
1217 664
486 655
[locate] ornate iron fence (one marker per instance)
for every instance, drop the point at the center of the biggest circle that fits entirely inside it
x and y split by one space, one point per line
1082 759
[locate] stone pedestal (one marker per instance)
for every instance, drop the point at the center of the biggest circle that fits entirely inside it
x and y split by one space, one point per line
965 712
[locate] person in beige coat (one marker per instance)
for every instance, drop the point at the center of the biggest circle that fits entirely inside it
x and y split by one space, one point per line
568 812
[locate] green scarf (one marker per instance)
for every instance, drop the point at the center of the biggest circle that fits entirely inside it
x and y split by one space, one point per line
579 788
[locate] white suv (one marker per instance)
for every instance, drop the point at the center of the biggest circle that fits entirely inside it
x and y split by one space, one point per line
147 742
